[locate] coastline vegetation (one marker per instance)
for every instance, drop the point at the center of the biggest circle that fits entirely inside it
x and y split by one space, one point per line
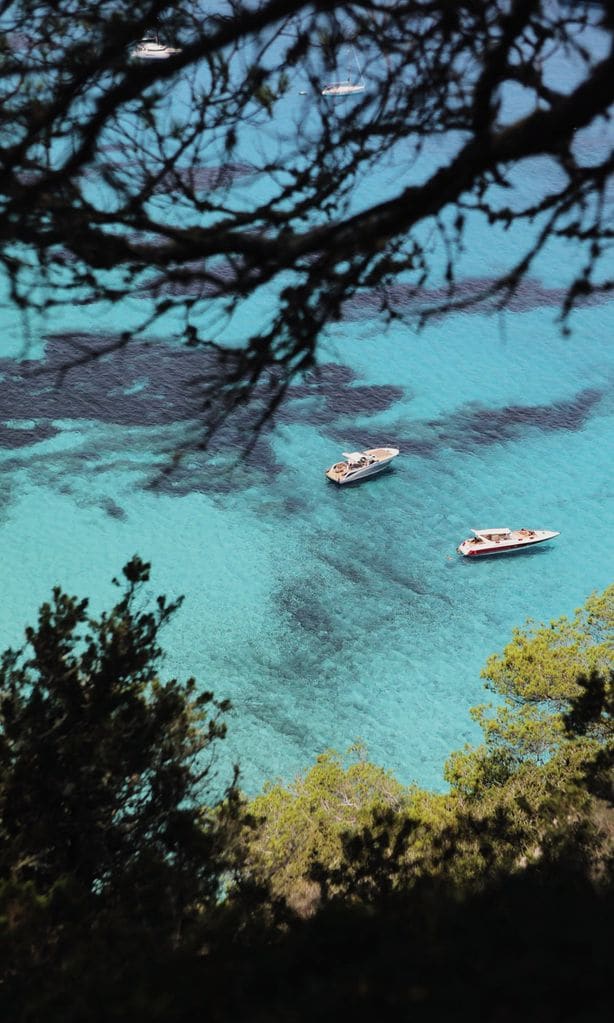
127 889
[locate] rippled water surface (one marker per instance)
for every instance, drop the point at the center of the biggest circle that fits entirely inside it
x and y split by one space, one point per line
328 613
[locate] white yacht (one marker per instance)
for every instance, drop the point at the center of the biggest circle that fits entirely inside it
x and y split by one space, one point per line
150 48
360 464
502 541
343 88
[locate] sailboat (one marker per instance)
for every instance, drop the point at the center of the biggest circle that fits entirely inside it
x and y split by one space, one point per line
347 87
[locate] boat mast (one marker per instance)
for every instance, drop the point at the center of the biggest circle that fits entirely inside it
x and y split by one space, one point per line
360 74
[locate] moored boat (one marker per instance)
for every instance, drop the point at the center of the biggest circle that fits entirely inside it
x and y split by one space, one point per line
346 87
502 541
360 464
151 48
343 88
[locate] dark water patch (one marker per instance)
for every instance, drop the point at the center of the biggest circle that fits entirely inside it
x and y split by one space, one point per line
205 477
474 425
339 561
112 509
137 385
418 447
571 415
291 729
212 471
141 384
479 426
80 377
392 571
161 388
293 506
195 280
367 562
353 403
331 393
304 609
309 635
364 400
530 294
327 375
315 413
295 726
17 437
417 586
207 178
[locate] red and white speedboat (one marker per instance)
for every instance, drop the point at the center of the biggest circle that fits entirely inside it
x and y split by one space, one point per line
502 541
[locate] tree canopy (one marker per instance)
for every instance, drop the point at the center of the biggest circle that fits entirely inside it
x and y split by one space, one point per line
304 825
130 888
196 184
540 784
109 837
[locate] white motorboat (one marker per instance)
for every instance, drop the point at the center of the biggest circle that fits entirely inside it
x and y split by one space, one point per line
150 48
360 464
502 541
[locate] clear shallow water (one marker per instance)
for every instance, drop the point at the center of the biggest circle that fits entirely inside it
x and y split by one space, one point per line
328 614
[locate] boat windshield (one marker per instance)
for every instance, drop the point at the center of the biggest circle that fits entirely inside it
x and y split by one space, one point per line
490 533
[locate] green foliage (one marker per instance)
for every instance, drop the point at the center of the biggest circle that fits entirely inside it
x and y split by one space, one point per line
542 662
122 886
592 712
265 96
538 675
519 797
304 823
103 767
591 717
473 770
519 732
498 823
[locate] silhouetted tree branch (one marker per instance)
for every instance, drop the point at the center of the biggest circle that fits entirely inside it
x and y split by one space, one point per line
123 178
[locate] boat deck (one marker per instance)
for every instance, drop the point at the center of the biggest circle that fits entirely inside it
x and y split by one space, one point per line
336 474
499 541
371 456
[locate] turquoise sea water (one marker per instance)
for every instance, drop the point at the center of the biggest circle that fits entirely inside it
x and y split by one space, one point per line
328 614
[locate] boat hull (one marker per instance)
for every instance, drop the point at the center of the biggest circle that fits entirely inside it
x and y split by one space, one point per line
370 470
153 52
342 89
